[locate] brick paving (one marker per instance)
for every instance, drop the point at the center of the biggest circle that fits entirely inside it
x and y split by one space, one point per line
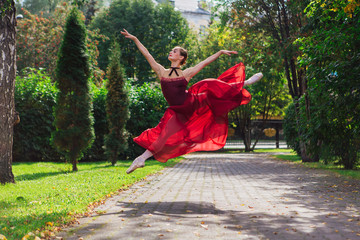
229 196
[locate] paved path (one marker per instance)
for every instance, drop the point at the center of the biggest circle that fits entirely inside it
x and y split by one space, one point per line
230 196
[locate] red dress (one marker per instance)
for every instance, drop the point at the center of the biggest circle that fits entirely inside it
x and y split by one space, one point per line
197 119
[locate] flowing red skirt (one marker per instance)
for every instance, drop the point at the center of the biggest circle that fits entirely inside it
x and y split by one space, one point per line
201 123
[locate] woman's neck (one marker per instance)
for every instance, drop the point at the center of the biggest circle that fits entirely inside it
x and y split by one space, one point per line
175 64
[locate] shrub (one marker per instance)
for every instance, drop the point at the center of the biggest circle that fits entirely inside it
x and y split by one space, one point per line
34 100
147 106
290 129
96 152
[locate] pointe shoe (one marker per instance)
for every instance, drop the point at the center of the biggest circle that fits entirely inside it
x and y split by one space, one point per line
137 163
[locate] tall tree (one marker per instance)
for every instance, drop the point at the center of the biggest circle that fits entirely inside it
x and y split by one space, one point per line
331 54
117 108
160 28
7 87
282 20
73 120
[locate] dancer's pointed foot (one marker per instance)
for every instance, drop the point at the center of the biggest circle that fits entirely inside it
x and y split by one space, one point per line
137 163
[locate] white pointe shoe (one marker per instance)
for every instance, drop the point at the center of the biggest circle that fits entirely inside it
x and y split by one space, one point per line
137 163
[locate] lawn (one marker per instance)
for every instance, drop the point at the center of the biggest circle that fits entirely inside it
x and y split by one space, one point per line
292 157
48 195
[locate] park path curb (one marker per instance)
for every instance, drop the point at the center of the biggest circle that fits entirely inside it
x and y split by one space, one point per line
229 196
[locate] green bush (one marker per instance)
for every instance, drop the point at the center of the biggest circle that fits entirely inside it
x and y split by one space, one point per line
290 129
96 152
34 100
147 106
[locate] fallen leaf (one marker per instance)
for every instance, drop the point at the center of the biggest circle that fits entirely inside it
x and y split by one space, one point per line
204 226
239 232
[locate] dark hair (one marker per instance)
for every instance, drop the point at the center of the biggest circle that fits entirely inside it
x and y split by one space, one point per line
183 52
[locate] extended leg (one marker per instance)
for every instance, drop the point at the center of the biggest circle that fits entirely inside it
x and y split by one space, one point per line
139 162
253 79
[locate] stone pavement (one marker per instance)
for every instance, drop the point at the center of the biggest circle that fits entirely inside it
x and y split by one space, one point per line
229 196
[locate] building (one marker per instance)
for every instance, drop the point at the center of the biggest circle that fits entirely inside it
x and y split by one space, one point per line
192 11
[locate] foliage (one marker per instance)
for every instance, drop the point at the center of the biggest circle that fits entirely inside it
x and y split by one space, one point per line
5 6
116 108
39 38
96 152
48 195
269 96
290 129
147 106
49 6
73 120
331 53
35 96
159 28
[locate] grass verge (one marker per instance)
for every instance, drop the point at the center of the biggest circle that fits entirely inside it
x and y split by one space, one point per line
261 150
320 165
48 195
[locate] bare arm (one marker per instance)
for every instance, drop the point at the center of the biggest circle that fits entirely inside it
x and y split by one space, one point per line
190 72
154 65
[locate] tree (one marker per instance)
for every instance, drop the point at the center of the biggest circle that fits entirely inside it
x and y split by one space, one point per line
39 38
117 108
256 51
159 28
281 20
7 86
331 54
73 120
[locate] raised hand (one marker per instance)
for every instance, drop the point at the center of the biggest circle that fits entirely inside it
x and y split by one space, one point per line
127 35
227 52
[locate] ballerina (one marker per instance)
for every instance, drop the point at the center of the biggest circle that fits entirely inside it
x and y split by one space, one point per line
197 118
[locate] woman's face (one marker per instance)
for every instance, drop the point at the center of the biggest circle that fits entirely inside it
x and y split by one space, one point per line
174 55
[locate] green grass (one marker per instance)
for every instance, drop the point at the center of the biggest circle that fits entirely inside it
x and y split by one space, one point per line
48 195
320 165
261 150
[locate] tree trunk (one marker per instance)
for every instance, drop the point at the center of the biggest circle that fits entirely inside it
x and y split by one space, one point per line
7 88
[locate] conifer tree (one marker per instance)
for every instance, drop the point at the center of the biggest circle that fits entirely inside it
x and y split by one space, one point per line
73 121
116 108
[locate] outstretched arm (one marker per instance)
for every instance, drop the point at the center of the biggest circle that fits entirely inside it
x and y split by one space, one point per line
154 65
253 79
190 72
